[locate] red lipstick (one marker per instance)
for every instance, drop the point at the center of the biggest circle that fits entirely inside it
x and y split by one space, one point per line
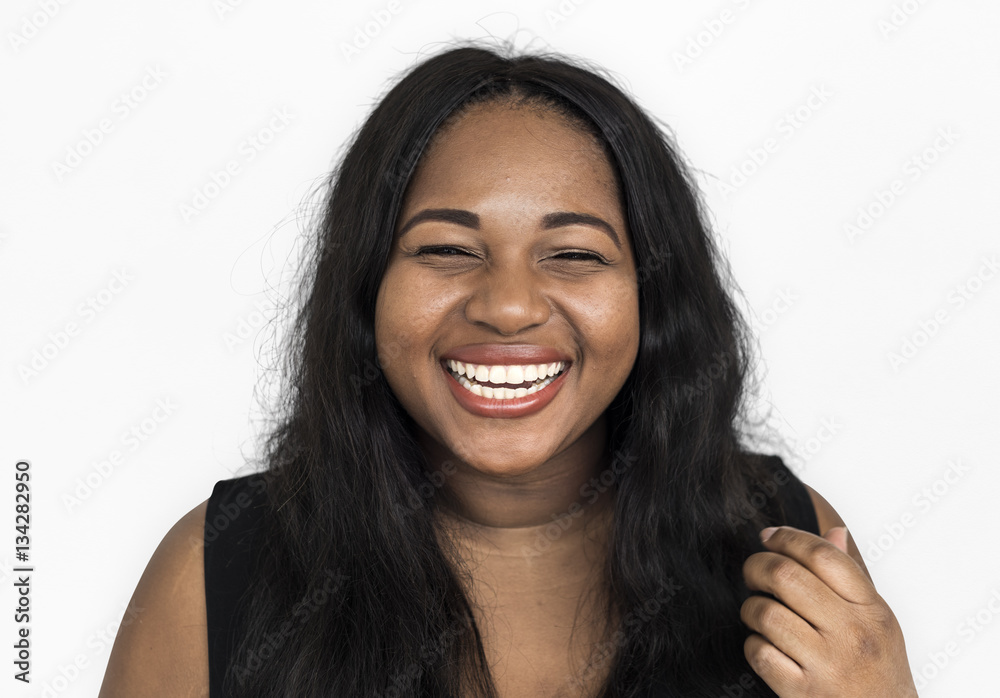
504 409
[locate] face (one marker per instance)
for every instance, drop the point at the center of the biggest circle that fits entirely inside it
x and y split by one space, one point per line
510 258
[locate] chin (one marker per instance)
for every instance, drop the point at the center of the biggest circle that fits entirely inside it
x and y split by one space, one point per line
504 464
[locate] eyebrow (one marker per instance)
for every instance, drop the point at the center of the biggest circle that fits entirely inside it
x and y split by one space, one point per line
468 219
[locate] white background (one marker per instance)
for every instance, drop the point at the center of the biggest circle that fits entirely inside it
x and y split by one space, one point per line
831 306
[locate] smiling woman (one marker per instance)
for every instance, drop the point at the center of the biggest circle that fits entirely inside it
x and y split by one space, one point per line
544 491
508 261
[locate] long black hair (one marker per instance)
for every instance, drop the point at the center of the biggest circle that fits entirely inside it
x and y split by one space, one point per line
350 496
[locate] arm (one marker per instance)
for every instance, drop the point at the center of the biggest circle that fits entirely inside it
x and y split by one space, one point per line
162 649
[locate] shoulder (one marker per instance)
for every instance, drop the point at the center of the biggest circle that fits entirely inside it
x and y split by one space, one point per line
802 506
233 503
829 518
825 513
233 518
163 640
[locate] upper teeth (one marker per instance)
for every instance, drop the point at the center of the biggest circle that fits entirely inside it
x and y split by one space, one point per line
512 375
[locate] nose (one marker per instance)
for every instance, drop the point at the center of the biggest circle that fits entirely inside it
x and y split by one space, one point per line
507 300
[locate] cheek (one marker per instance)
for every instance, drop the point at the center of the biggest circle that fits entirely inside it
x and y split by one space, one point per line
408 310
391 335
407 314
609 324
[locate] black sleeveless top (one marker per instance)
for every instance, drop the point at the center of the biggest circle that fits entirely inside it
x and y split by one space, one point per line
234 513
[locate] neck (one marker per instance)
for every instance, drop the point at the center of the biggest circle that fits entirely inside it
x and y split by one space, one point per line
551 511
530 552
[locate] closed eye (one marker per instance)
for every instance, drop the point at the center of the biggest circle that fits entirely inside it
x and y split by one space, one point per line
449 251
581 256
442 250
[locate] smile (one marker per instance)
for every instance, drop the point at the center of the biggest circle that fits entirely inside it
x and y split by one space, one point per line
505 382
504 390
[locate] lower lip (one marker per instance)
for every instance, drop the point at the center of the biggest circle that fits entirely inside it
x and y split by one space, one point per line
504 409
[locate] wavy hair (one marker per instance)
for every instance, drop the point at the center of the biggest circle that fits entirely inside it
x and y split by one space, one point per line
350 496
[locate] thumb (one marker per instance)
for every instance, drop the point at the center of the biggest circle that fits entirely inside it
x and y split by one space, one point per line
838 536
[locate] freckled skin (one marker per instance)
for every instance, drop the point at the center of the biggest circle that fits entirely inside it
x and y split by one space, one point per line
511 167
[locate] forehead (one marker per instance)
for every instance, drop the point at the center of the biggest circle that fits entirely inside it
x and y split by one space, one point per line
513 150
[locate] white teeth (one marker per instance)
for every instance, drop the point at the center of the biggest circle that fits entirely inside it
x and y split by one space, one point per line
511 375
504 393
498 374
531 377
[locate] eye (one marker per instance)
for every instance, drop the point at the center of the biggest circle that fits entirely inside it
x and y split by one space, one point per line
580 256
441 251
456 252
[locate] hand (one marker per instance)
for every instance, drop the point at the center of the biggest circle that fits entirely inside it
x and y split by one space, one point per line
828 633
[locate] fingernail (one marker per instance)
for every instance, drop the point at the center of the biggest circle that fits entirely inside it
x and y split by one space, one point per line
767 533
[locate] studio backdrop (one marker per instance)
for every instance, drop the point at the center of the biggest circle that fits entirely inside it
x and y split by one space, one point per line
160 163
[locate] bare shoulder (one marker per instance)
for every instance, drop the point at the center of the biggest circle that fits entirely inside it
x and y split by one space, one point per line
829 518
162 645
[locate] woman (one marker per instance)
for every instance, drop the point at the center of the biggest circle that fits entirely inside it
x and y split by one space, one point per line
510 463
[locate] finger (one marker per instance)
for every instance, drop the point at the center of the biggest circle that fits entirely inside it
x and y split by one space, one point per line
845 542
778 670
781 626
795 586
833 567
838 536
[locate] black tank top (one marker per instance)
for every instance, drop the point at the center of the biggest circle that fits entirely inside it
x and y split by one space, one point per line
234 513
